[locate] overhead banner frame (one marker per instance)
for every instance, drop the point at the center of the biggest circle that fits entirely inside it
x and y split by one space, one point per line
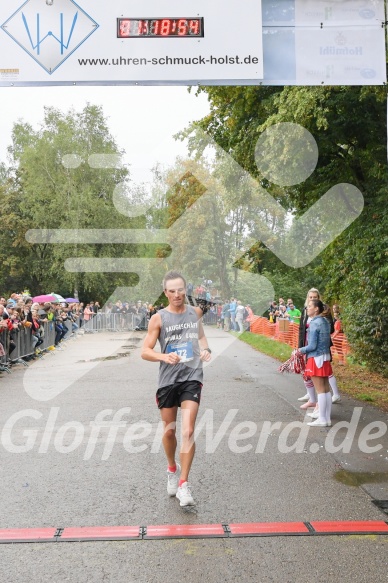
190 42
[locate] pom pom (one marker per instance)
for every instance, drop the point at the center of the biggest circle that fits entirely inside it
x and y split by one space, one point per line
296 363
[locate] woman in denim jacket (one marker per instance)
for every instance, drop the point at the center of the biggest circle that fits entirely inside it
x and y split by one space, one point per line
311 396
318 365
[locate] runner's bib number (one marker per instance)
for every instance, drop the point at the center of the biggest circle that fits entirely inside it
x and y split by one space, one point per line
184 350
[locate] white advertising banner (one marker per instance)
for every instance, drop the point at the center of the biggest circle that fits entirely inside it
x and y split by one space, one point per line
95 41
339 12
187 42
335 56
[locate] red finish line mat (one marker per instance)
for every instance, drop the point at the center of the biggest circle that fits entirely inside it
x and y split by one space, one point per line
269 528
26 535
99 533
168 531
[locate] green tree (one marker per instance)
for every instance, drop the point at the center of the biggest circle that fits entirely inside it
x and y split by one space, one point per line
349 125
51 185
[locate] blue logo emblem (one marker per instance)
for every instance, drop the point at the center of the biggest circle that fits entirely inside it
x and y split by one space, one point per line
366 13
50 33
368 73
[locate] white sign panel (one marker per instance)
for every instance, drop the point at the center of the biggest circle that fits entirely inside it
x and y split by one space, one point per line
332 55
335 12
95 41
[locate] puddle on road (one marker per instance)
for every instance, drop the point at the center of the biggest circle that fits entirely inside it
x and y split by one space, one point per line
189 509
101 358
358 478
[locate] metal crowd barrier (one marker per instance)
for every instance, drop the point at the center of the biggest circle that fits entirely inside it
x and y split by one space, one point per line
102 322
4 340
210 318
24 347
22 337
48 335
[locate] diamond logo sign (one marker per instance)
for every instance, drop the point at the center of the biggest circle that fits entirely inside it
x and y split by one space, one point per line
50 32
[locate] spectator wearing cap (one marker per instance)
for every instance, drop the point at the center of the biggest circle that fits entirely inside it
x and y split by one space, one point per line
10 307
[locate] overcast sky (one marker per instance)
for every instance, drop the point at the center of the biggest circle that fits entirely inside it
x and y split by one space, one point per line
141 119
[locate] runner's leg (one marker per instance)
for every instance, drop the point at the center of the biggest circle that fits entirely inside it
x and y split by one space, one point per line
168 415
189 415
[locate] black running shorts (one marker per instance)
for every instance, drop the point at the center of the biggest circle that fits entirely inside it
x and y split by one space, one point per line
173 395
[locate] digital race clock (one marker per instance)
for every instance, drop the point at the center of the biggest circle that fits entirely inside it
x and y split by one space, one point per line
183 27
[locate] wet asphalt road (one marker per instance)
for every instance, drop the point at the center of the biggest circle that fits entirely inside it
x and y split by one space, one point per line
62 468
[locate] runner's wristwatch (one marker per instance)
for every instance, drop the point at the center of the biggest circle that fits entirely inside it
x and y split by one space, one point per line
208 349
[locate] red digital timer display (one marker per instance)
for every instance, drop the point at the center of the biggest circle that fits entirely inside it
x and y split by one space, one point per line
159 27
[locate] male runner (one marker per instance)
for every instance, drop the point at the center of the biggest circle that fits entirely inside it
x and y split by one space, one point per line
183 347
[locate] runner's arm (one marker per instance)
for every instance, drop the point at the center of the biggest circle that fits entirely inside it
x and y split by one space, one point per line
148 352
202 340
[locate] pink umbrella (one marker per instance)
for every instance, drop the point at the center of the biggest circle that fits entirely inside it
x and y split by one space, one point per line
44 298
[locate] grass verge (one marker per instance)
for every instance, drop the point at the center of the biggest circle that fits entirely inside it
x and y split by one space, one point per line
353 379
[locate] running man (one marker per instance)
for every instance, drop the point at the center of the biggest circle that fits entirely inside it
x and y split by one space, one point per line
183 347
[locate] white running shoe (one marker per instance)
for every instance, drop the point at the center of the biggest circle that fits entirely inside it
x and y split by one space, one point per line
184 495
336 399
173 481
314 414
319 423
305 398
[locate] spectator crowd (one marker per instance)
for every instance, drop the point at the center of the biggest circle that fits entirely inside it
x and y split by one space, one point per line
283 310
19 312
